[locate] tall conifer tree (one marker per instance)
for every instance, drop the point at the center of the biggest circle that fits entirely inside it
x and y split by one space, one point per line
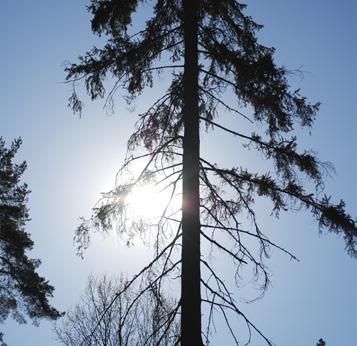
211 47
23 292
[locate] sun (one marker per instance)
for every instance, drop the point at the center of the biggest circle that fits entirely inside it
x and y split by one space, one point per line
148 202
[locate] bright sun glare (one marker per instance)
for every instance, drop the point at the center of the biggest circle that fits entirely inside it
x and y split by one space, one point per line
149 203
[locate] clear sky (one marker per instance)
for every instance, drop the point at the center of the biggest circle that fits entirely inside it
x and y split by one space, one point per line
72 160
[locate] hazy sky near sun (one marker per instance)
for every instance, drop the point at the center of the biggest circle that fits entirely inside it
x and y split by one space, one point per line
71 161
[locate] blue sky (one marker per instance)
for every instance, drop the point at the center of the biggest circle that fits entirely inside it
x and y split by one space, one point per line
72 160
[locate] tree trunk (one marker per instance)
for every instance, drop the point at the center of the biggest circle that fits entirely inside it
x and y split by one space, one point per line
191 274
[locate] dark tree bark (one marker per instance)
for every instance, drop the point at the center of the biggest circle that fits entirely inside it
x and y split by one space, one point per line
190 284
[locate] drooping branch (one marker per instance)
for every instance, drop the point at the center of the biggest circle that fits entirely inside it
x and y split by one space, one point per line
230 304
284 154
225 105
259 237
330 216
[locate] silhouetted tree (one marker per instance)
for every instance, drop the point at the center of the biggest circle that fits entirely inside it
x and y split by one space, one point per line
23 292
2 342
211 47
321 343
127 321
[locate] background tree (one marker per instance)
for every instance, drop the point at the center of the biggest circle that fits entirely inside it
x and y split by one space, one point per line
23 292
212 48
126 322
2 342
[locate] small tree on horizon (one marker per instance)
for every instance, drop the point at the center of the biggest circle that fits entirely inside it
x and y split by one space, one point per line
127 321
321 342
211 47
